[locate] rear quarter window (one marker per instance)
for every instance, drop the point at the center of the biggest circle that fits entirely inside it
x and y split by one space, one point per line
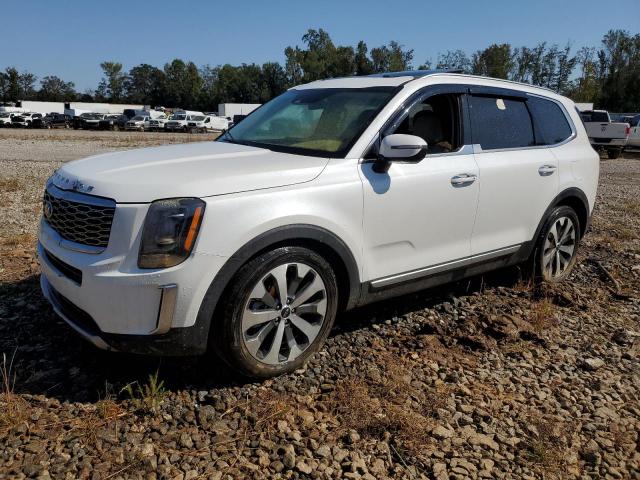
500 123
550 120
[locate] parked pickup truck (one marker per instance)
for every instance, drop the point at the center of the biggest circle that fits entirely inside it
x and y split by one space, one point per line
180 119
139 122
605 134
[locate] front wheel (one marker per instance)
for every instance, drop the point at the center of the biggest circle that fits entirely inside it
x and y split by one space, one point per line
557 246
279 310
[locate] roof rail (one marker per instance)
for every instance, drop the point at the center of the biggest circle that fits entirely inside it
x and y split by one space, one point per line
415 73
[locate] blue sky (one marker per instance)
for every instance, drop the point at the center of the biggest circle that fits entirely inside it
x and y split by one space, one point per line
71 38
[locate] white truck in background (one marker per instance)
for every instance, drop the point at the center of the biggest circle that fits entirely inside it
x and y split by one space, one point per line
180 119
605 134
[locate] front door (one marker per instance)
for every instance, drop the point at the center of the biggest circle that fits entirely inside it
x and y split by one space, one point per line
420 215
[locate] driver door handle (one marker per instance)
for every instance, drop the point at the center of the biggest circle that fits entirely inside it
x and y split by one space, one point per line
546 170
463 179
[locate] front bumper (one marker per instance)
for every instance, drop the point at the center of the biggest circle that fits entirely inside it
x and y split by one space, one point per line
118 306
174 342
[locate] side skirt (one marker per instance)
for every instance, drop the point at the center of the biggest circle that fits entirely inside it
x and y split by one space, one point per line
423 279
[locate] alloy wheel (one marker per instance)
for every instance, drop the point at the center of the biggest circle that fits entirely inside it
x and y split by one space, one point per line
284 313
559 247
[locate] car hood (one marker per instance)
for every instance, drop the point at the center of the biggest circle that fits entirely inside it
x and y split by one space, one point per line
189 170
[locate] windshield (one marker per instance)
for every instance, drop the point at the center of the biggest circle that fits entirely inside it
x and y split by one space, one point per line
197 118
137 118
323 122
179 117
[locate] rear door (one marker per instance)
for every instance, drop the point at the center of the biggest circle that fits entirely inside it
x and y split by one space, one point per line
518 173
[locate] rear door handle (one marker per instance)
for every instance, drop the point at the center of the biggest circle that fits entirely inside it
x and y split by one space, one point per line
463 180
546 170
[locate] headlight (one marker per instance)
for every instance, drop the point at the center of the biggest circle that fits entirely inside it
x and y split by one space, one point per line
170 231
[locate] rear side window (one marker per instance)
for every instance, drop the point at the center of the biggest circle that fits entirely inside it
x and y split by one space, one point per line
551 120
500 123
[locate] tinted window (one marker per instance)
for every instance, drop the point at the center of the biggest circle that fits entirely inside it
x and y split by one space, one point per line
500 123
551 120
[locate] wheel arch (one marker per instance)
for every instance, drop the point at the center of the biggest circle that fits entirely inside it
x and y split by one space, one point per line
575 198
572 197
316 238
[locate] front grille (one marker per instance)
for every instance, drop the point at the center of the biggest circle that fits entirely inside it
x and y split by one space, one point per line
85 223
67 270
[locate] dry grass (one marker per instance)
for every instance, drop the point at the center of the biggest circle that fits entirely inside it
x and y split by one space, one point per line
387 407
631 207
268 408
543 315
548 445
8 185
13 408
21 239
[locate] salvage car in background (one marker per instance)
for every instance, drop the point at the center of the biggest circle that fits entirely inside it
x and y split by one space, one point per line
52 120
5 119
605 134
88 121
113 122
139 122
24 120
157 124
180 119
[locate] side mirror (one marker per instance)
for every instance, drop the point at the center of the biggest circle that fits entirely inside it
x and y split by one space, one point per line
399 148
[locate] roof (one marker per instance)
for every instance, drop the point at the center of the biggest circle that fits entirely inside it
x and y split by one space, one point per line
414 73
396 79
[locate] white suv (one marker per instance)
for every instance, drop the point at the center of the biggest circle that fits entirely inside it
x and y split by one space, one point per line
335 194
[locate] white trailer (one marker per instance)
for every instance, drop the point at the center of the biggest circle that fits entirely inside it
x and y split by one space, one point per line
232 109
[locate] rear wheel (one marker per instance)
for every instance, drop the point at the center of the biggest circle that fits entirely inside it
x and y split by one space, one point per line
280 308
557 246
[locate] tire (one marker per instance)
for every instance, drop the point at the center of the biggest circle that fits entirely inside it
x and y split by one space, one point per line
614 153
548 262
247 343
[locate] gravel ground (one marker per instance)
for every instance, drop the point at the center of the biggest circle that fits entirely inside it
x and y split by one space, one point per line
488 378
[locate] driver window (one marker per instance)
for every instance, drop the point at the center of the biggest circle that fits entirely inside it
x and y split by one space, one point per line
436 120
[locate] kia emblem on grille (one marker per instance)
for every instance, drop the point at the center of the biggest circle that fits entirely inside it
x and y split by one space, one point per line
48 209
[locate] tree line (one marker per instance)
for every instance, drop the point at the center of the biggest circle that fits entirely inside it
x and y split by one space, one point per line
608 76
